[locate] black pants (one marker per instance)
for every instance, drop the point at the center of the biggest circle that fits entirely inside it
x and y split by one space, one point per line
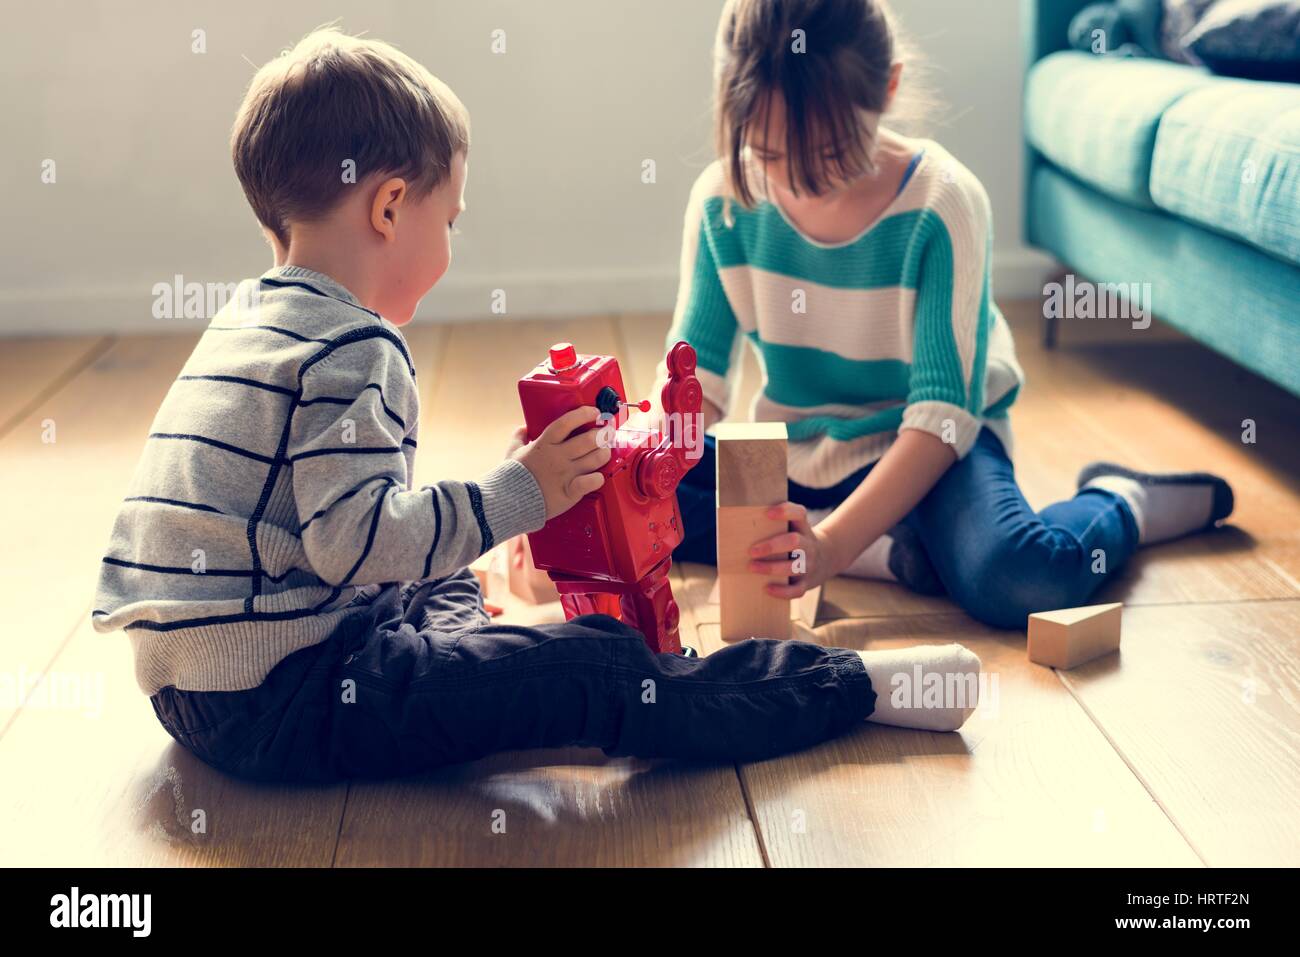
420 679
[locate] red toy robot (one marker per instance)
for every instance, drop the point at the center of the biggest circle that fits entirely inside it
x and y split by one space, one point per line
611 552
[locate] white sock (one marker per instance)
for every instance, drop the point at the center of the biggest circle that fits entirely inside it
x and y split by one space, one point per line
906 695
1162 511
872 563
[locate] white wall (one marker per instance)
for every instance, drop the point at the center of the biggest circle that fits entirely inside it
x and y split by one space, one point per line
138 126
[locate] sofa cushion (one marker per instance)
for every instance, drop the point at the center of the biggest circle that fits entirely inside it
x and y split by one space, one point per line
1227 156
1254 39
1180 17
1096 117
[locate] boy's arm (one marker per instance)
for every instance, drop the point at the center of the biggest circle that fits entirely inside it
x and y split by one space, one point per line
350 449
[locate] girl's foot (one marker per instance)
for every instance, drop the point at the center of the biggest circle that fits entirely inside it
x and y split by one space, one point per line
1165 505
908 697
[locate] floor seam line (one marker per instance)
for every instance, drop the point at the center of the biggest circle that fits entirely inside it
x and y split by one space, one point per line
338 835
59 383
1137 775
753 815
45 671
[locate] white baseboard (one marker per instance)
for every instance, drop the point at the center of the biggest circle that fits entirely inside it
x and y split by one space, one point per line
551 294
122 309
1021 273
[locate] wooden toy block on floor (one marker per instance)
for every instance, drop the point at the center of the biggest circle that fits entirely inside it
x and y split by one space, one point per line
1069 637
751 477
482 569
526 582
804 609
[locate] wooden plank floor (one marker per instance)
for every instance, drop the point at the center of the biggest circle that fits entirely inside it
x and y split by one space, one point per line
102 782
1184 749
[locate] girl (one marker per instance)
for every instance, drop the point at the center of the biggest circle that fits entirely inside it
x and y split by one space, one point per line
856 262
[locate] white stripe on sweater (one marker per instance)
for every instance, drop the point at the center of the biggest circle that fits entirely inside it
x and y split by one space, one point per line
832 320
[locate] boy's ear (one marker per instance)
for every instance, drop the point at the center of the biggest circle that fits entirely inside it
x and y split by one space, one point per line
388 199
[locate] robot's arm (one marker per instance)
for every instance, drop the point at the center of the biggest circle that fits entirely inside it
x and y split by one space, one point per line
659 470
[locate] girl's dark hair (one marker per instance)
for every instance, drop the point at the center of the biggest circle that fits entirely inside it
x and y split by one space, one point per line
829 60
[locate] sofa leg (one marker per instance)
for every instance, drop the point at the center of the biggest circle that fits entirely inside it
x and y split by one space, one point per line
1051 326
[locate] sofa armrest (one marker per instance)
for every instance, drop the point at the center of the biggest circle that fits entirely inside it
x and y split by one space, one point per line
1044 29
1045 26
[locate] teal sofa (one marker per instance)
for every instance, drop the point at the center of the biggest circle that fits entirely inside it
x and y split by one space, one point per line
1148 171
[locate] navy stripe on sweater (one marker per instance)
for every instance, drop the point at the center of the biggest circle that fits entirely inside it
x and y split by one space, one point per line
374 526
225 446
211 572
476 505
342 498
299 284
289 333
340 400
146 625
354 335
171 501
346 450
237 380
437 530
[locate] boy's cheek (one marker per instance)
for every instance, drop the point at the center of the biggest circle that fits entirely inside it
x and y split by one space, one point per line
438 264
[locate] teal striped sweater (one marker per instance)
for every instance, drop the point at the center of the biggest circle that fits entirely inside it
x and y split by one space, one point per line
894 329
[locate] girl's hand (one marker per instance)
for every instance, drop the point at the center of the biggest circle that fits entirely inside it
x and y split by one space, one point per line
803 554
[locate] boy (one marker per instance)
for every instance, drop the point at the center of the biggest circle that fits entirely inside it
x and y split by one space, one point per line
297 610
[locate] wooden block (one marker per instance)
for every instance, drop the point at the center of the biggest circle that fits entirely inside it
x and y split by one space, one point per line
751 463
1067 638
526 582
747 611
804 609
482 569
751 479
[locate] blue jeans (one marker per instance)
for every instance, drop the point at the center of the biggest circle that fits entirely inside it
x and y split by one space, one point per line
996 558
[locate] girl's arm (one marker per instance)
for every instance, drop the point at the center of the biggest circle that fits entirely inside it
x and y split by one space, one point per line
902 477
942 415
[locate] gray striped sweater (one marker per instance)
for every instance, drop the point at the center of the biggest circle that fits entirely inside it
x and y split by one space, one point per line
275 491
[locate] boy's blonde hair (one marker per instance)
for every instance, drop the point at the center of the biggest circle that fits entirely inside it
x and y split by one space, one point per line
334 98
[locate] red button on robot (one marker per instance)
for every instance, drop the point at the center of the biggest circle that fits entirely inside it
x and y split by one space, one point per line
610 553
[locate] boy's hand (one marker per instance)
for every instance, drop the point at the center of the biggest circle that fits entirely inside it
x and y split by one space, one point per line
517 441
813 562
565 467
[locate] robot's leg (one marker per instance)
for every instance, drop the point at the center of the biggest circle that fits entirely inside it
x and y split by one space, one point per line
590 603
648 606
